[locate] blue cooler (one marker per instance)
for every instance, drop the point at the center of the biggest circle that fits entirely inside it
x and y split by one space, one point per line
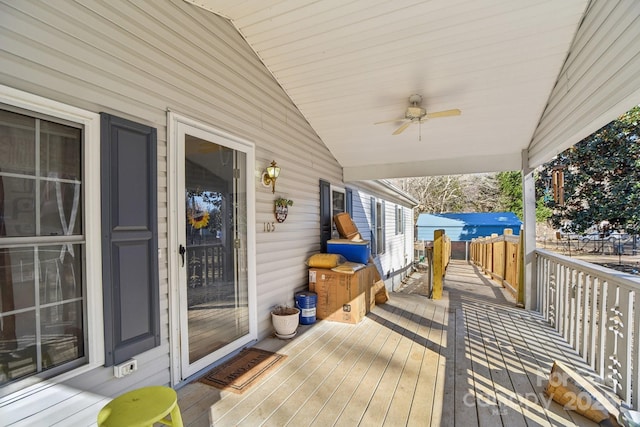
354 251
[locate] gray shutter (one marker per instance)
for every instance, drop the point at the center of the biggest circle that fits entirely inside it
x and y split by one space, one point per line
349 201
383 220
325 214
129 238
374 247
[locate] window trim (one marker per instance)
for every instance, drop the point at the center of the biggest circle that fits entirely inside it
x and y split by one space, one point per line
92 229
337 189
380 224
399 219
341 190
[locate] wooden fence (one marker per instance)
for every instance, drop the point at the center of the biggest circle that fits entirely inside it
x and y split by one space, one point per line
499 256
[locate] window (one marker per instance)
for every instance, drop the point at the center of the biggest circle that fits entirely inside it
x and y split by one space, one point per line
337 206
380 243
337 201
399 220
44 325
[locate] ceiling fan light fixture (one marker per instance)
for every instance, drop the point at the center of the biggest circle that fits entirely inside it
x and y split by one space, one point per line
415 113
415 99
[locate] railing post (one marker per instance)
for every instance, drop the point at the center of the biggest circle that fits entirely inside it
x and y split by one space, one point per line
494 261
505 252
472 251
520 271
429 254
438 262
485 254
488 262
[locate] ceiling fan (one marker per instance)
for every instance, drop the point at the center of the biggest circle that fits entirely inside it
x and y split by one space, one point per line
416 114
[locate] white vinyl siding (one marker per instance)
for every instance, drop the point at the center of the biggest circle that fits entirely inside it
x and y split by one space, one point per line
137 60
599 81
394 264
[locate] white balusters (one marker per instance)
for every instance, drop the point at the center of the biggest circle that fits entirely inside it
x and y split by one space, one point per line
597 311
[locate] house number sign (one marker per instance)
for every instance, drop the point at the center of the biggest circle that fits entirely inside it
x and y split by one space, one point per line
269 227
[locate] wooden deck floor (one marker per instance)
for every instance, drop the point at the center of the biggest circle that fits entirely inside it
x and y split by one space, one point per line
469 359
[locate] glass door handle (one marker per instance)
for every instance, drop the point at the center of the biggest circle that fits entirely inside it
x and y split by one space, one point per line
181 251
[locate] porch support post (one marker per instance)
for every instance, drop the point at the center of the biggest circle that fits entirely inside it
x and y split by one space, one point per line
529 230
438 263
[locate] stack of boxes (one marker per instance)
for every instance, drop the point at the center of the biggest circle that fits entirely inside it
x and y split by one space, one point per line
342 297
346 297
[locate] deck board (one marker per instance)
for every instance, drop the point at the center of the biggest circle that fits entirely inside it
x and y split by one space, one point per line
306 383
339 400
367 390
445 388
388 385
260 403
316 400
470 359
406 387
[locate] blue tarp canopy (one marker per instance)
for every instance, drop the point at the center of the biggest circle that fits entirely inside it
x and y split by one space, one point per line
466 226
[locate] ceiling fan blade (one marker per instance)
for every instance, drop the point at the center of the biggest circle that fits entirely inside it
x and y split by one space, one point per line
402 119
445 113
402 128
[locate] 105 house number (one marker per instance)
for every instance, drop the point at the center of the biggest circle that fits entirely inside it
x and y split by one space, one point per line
269 227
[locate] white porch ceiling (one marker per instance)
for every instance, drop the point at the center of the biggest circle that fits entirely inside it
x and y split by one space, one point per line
349 64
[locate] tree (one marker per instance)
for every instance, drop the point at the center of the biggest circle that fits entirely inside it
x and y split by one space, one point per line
453 193
481 191
436 194
470 193
601 177
510 184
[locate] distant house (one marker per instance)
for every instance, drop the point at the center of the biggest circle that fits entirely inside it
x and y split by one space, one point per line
466 226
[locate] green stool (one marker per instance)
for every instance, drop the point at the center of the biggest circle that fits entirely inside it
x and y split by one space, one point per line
142 408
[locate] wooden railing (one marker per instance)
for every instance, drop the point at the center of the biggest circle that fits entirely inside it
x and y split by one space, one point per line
206 263
597 310
439 261
499 257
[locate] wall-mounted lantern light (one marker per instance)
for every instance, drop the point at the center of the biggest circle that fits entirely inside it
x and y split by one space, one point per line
270 175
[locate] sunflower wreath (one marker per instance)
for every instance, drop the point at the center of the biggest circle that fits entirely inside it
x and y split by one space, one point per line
198 219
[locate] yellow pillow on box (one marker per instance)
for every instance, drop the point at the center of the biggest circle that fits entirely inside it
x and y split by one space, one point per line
325 260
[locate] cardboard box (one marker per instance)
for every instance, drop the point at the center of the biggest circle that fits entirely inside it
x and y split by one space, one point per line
576 393
342 297
378 293
346 228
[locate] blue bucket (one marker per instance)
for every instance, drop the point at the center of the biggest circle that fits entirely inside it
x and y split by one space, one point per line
306 302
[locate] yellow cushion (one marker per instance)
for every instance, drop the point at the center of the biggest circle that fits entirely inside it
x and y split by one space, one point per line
325 260
348 267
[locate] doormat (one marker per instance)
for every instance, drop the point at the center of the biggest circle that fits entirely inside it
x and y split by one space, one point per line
242 371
